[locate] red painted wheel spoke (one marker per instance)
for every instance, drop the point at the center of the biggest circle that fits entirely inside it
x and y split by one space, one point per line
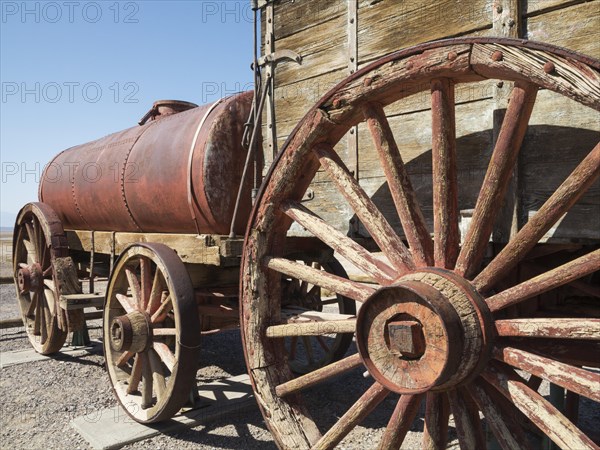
466 420
541 412
33 304
165 354
155 293
318 376
33 242
445 186
158 374
496 182
124 358
339 285
554 328
574 379
128 303
403 194
136 374
435 428
400 422
339 242
373 220
508 432
147 381
134 287
145 283
357 412
163 310
576 184
316 328
545 282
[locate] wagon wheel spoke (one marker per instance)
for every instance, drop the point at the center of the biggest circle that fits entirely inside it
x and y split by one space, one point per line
156 291
466 420
147 380
165 354
161 313
567 194
538 410
158 374
44 318
135 288
400 422
369 214
497 177
554 328
124 358
435 427
32 305
445 189
128 303
564 274
506 429
136 372
32 243
308 349
355 414
403 194
145 283
339 285
318 376
317 328
339 242
572 378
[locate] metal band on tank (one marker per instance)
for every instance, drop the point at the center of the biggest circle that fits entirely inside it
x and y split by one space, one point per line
192 200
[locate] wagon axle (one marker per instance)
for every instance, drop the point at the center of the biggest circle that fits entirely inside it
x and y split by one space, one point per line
30 278
131 332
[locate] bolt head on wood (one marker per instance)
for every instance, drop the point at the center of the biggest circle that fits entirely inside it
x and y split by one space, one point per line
497 56
452 56
549 67
406 338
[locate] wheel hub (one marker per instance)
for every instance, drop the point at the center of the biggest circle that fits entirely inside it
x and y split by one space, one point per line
430 330
130 332
30 278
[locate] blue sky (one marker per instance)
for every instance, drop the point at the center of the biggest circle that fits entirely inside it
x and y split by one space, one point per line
73 71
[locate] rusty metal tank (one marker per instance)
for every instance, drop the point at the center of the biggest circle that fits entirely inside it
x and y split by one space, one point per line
178 172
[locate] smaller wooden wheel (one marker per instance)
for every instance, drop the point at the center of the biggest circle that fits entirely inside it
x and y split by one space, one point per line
308 353
151 332
38 243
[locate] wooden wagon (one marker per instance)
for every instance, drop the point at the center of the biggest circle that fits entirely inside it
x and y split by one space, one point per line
456 181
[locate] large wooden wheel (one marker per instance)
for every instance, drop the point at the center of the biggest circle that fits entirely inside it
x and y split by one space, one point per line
433 327
151 332
39 243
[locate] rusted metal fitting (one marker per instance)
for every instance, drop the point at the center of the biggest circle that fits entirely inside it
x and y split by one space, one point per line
24 280
497 56
549 67
406 338
367 82
337 103
452 56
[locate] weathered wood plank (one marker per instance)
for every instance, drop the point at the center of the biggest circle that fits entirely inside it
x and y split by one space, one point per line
387 26
575 27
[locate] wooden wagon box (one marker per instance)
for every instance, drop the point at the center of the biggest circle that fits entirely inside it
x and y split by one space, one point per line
334 38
